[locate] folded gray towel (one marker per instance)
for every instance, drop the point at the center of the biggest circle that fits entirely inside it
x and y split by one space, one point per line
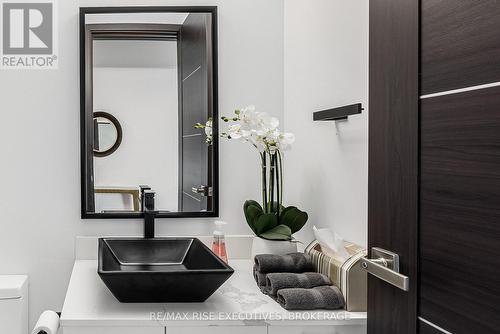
260 279
278 281
321 297
291 263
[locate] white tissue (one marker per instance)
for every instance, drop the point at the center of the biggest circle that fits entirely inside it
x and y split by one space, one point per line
48 322
331 243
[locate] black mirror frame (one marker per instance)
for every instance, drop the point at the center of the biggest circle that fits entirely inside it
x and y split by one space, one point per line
86 122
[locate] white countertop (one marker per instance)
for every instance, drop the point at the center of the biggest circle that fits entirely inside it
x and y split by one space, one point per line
238 302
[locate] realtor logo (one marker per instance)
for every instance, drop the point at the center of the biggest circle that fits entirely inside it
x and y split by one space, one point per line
28 35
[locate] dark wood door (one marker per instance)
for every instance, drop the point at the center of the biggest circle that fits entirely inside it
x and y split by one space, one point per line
434 164
393 159
459 290
195 104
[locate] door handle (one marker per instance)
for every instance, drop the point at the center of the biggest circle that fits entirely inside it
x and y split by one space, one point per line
385 266
202 190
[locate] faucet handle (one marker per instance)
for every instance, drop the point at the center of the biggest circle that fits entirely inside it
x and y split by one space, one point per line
149 200
142 189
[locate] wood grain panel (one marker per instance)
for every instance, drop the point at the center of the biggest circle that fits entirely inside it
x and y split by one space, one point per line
460 211
424 328
194 44
194 102
393 159
460 44
195 165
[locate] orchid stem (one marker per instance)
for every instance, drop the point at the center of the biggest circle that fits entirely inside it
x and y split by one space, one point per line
264 181
271 183
278 186
280 162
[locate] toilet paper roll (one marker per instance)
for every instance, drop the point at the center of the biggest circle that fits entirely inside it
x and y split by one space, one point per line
48 323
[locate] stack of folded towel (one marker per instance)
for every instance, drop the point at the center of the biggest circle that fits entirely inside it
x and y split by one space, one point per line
290 280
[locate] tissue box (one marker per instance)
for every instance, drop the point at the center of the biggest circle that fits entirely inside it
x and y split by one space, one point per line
348 275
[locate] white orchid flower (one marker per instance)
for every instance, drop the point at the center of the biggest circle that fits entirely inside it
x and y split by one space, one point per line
286 140
248 115
259 129
234 131
258 143
273 135
268 122
208 128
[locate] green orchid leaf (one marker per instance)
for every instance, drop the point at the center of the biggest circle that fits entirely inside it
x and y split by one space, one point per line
293 218
252 211
265 222
252 202
280 232
252 215
285 210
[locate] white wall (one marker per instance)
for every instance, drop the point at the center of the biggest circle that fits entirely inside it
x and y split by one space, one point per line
145 102
323 44
125 53
326 65
40 126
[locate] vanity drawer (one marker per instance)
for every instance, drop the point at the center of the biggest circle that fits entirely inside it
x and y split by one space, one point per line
217 330
343 329
114 330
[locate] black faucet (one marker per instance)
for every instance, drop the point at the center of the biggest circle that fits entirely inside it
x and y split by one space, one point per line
143 188
148 208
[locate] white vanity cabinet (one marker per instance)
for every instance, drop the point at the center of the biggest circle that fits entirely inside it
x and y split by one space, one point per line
114 330
90 308
317 329
217 330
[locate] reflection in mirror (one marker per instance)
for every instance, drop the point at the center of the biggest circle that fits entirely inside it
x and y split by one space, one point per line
107 134
154 71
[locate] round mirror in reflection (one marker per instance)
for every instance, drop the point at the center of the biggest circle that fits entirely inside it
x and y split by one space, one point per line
107 134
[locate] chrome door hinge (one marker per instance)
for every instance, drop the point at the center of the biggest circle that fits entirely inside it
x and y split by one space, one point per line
202 190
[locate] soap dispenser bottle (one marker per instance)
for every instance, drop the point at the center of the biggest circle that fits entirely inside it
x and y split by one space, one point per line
219 243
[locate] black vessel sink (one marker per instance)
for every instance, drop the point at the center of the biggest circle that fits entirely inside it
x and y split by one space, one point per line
160 270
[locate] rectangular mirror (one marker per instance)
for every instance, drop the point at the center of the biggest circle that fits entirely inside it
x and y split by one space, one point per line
148 76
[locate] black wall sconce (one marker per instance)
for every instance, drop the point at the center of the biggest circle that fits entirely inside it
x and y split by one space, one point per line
336 114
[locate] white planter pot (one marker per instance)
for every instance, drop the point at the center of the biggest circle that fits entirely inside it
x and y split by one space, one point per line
263 246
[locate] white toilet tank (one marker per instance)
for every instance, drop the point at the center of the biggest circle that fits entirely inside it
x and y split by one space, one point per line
14 304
